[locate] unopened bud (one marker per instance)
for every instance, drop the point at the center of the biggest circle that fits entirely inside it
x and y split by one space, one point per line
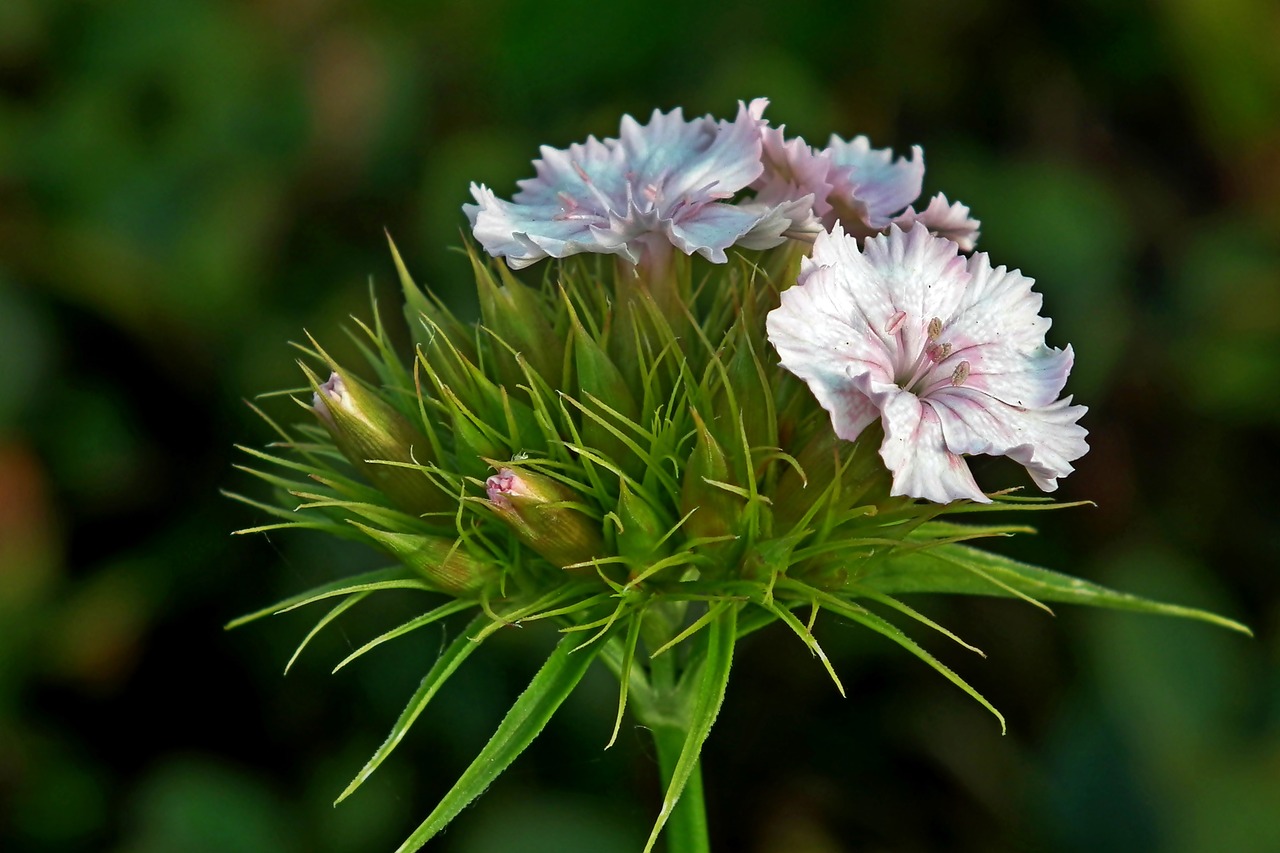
642 529
715 510
368 431
545 516
444 563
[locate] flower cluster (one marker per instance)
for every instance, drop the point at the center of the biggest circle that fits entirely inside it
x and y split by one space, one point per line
885 322
660 468
676 183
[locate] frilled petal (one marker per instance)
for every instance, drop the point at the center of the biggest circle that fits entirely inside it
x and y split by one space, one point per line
1044 440
819 339
916 451
944 219
524 234
677 161
777 222
586 178
869 185
714 228
1021 378
919 276
792 169
998 305
837 322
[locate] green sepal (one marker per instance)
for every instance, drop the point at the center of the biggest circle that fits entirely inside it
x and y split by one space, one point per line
368 429
748 381
714 508
515 313
445 563
427 317
598 377
642 538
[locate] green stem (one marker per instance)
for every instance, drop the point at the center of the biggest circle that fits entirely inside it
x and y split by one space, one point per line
686 829
664 708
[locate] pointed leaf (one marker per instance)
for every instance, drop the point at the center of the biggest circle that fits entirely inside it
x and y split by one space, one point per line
445 666
528 716
421 621
951 569
355 583
887 629
336 611
712 679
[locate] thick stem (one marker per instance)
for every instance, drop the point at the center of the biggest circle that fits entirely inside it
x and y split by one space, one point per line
686 829
664 709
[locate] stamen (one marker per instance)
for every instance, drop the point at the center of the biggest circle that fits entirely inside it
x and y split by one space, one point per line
570 206
961 374
938 352
935 329
895 322
582 173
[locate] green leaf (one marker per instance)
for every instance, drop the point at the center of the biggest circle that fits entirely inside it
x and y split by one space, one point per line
712 677
960 569
337 610
806 636
624 673
421 621
342 586
528 716
445 666
887 629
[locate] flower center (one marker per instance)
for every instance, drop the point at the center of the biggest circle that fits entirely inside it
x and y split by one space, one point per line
922 375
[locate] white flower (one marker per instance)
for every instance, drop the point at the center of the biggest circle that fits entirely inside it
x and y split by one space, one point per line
670 181
947 352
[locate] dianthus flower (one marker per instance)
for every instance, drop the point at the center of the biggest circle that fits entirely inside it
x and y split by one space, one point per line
947 352
666 183
865 189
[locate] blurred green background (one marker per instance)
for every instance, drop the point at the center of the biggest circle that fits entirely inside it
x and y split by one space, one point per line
185 186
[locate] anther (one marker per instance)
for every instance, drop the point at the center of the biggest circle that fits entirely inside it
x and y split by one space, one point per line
895 322
938 352
961 374
935 329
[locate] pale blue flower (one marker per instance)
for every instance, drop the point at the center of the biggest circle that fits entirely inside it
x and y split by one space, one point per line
670 181
947 352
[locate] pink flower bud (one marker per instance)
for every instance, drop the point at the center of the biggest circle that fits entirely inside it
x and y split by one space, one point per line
545 515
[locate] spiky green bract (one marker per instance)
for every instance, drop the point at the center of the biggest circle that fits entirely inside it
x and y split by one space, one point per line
677 490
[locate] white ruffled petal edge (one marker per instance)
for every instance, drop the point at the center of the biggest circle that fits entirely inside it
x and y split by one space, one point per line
915 450
949 220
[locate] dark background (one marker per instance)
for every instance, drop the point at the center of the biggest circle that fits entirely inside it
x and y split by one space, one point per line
186 186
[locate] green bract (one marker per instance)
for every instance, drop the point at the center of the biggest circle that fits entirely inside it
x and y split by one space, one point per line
683 490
